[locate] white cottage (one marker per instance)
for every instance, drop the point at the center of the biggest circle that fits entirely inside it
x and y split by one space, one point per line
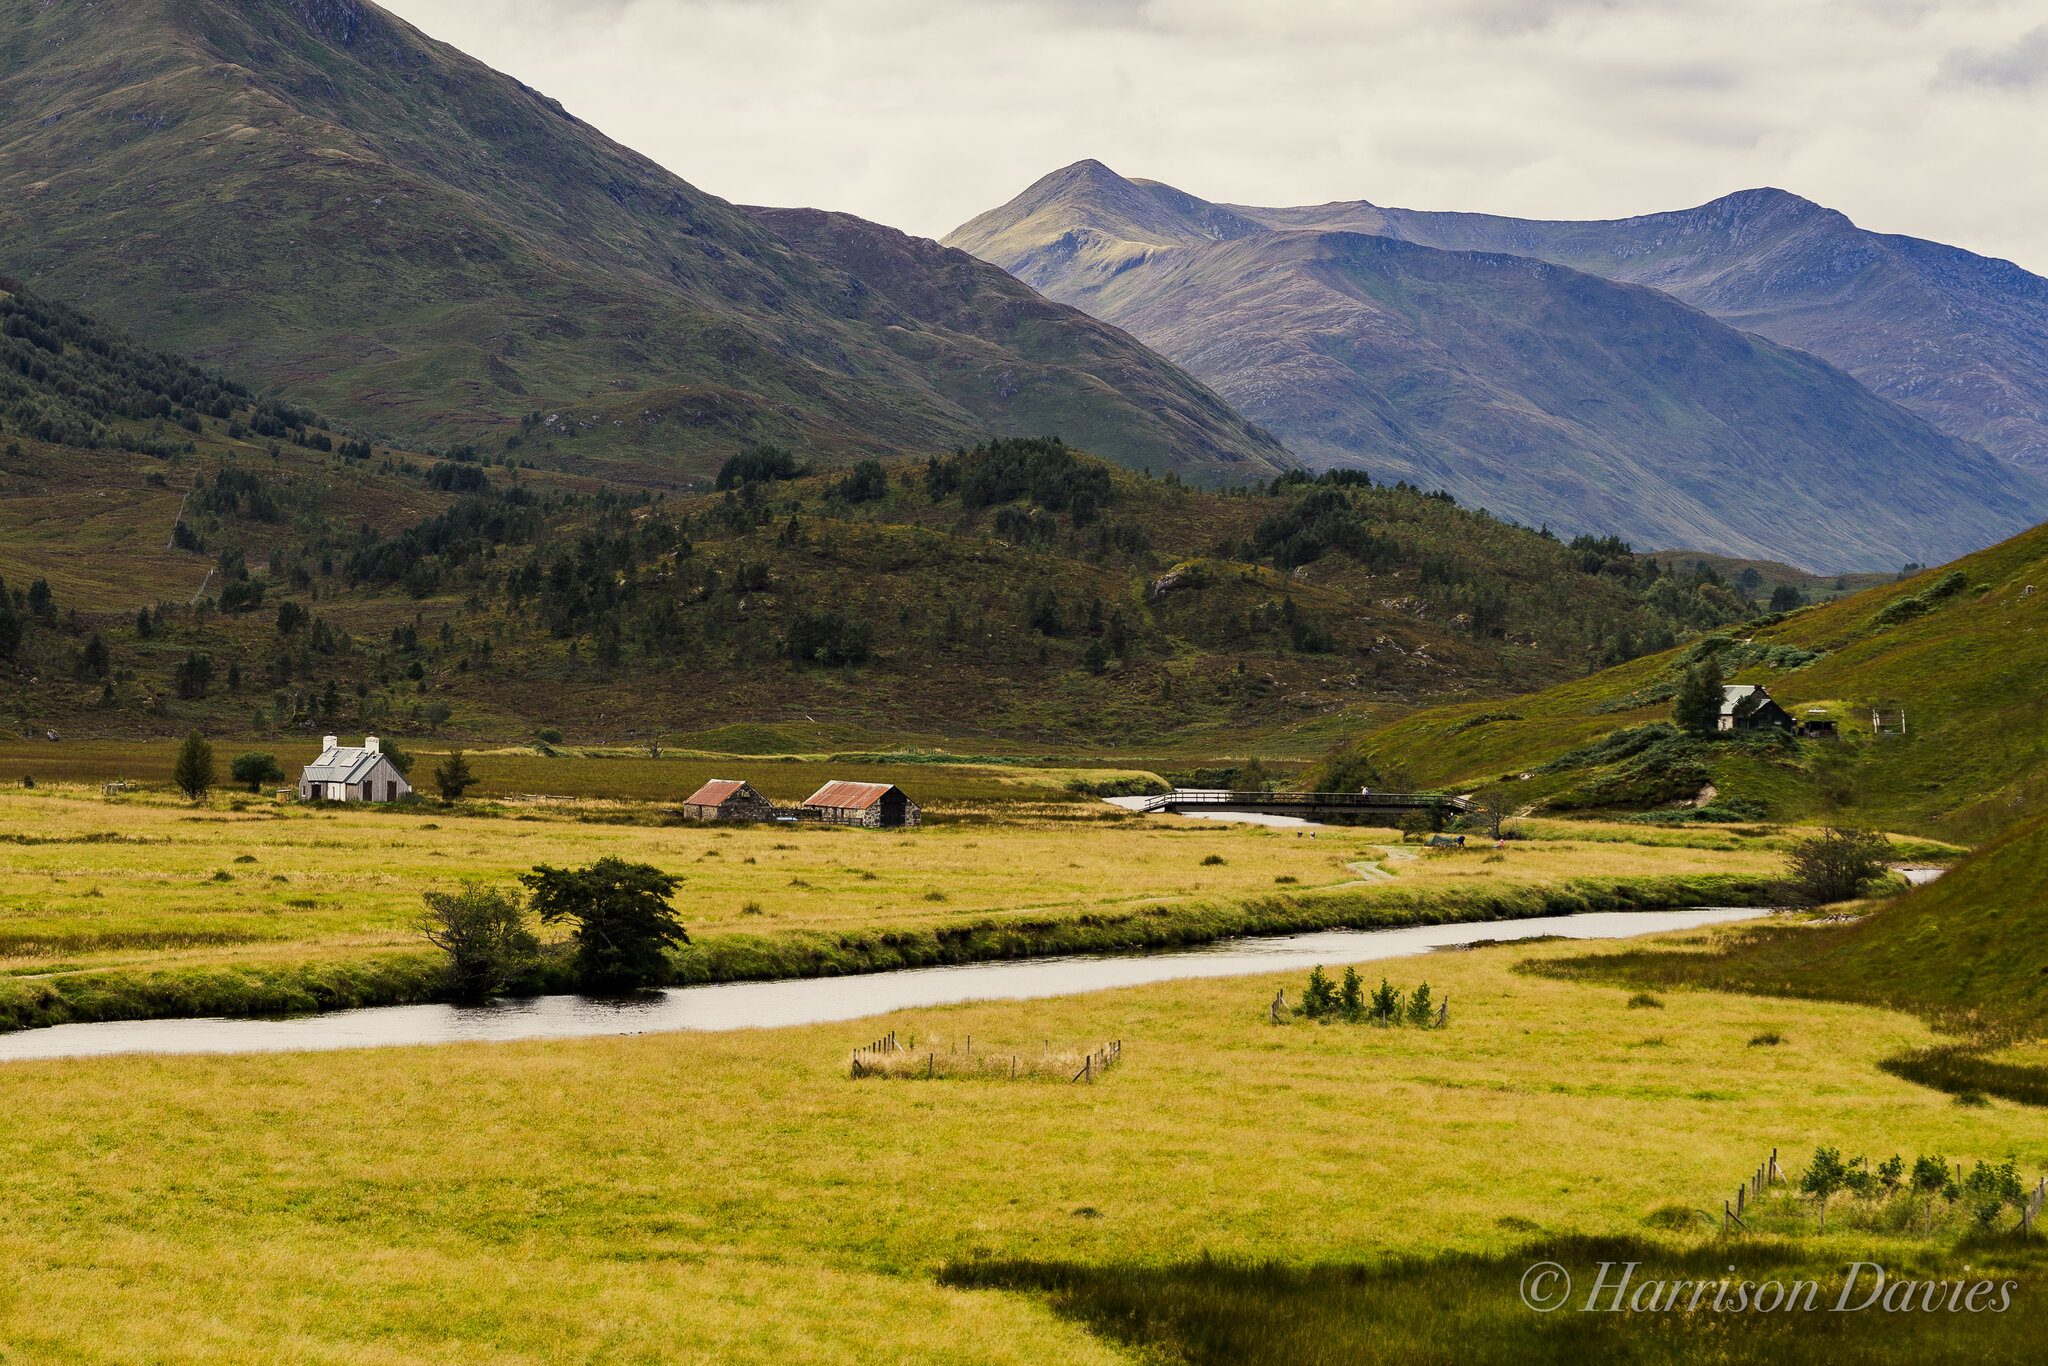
352 775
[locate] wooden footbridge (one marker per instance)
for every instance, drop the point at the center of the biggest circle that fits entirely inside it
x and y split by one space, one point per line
1336 808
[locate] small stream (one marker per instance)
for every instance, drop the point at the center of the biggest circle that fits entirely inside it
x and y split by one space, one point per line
813 1000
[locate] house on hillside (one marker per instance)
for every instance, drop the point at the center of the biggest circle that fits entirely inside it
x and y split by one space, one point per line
1749 706
728 799
352 774
877 805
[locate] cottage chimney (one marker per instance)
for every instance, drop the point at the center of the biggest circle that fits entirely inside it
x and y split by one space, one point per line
330 742
370 743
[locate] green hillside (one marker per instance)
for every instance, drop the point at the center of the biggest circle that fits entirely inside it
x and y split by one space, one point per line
1959 650
178 552
323 200
1969 952
1548 395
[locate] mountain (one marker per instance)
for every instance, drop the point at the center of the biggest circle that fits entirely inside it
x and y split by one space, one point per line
1544 393
1959 338
1950 660
315 195
177 551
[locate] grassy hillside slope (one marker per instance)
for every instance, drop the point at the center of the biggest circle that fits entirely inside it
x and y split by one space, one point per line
1546 394
324 200
1962 650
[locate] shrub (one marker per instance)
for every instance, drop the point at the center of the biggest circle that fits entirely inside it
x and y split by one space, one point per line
1834 865
1319 998
1386 1004
483 931
1351 996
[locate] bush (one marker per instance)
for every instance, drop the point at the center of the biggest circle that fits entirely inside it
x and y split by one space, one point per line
483 931
1835 865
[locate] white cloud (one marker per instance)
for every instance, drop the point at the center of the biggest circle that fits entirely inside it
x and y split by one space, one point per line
1909 115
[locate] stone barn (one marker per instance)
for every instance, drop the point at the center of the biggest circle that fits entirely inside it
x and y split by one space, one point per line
352 774
877 805
728 799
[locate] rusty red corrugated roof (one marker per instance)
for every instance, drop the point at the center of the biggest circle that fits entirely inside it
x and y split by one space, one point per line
714 792
843 796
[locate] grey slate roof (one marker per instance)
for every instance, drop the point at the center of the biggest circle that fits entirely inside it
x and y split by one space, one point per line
342 764
1734 695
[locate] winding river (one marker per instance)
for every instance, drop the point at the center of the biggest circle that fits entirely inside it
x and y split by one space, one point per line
814 1000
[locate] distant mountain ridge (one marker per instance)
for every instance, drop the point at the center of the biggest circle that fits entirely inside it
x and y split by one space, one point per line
1539 391
1959 338
319 197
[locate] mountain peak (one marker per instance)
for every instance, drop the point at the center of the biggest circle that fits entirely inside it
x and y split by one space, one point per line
1767 202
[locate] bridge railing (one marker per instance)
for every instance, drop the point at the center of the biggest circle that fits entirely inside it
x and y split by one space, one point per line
1327 801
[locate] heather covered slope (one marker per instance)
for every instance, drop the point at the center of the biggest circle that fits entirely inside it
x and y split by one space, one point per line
177 551
1959 338
1546 394
318 197
1960 650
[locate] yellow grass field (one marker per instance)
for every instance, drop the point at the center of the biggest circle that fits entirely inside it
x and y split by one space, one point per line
92 882
738 1198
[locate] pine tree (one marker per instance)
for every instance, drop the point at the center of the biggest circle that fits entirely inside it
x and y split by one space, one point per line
194 771
453 777
1697 708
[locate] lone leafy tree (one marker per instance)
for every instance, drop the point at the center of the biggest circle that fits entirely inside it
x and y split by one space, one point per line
254 769
624 923
453 778
194 770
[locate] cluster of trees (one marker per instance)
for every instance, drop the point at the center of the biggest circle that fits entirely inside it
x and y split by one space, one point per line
622 920
20 611
1347 1001
65 378
469 531
1984 1193
1039 469
1497 578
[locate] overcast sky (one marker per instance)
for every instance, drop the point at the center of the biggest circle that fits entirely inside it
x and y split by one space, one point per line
1927 117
